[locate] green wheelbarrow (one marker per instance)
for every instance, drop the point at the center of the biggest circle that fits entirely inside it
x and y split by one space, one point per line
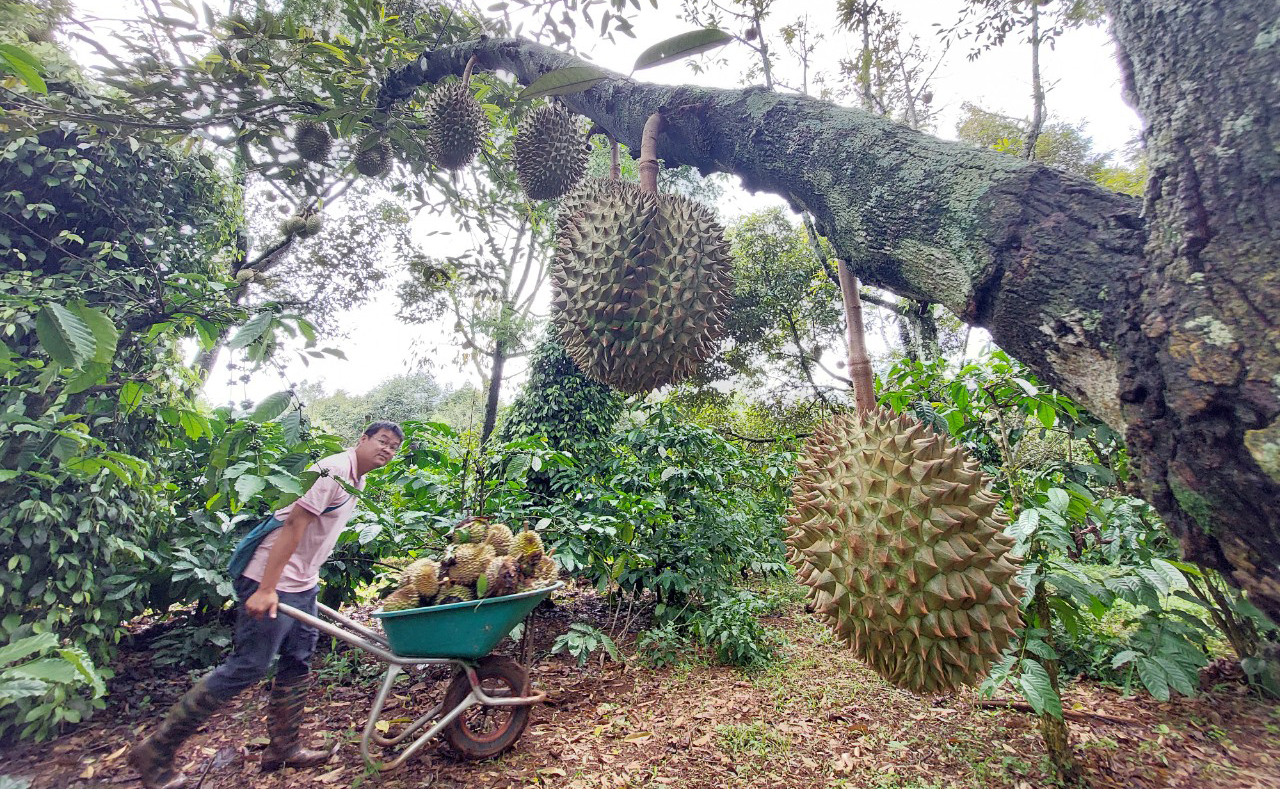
486 706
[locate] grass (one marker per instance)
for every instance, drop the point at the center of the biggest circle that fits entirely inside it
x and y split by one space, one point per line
759 739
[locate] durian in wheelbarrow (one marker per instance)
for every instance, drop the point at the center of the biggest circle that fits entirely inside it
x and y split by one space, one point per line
467 562
641 284
551 153
401 599
500 537
899 538
423 576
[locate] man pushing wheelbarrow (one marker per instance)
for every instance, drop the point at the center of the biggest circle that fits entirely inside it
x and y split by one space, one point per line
277 563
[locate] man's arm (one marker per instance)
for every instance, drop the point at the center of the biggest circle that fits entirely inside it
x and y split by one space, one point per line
263 602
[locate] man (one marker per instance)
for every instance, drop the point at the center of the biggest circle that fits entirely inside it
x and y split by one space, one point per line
285 568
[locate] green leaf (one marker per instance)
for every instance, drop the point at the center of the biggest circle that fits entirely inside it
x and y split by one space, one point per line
252 330
273 406
1123 657
65 336
285 484
23 688
49 669
291 427
30 645
25 65
1179 678
682 46
482 586
1175 579
92 373
104 331
249 485
1027 386
560 82
194 423
1035 685
1153 678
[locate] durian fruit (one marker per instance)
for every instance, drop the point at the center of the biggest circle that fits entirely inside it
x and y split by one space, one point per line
454 593
641 284
468 561
546 572
472 529
312 141
527 547
424 576
311 226
457 123
500 537
401 599
374 158
900 540
551 153
293 225
502 577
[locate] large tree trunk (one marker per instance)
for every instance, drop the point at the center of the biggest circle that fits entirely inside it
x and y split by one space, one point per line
1173 340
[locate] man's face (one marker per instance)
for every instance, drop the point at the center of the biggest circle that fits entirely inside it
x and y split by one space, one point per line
376 451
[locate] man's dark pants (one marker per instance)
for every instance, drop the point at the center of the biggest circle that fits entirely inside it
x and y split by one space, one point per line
259 639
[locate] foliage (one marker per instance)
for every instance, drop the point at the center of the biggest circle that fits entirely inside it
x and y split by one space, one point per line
44 685
400 398
730 627
582 641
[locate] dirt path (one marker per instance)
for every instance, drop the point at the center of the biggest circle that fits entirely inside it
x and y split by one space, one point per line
816 718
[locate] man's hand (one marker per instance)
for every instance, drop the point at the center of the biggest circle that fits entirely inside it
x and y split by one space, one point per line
262 603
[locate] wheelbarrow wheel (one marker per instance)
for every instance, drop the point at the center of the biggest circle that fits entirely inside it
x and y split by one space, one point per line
484 731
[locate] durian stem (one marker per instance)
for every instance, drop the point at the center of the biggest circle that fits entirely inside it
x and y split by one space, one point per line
466 72
615 168
649 153
859 361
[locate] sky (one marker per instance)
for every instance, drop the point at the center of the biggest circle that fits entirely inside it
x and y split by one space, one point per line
1083 86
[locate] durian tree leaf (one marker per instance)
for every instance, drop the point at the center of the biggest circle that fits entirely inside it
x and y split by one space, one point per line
482 586
560 82
23 647
92 373
105 334
1038 690
254 328
272 406
684 45
65 336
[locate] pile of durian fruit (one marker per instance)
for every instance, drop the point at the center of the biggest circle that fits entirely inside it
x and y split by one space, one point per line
485 560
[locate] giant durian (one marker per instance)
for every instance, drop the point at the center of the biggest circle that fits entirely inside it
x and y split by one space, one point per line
551 153
312 141
901 542
641 284
374 157
457 123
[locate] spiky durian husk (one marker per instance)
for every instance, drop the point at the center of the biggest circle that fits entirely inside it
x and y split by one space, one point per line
527 546
312 141
469 561
502 577
457 123
423 575
641 284
546 572
292 225
500 537
311 226
401 599
454 593
472 529
551 153
374 158
902 545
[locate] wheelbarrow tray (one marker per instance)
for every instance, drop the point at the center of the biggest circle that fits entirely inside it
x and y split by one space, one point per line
468 630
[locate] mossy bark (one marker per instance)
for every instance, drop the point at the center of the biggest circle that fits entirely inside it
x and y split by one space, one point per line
1159 319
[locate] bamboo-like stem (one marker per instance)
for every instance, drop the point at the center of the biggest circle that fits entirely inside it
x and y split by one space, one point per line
615 167
466 72
859 361
649 153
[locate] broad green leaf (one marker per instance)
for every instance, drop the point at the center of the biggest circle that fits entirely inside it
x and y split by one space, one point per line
22 63
79 659
21 688
249 485
30 645
194 423
131 395
682 46
65 336
1035 686
291 427
560 82
104 331
285 484
1175 579
1059 500
1027 386
251 330
92 373
482 586
1179 678
49 669
1153 678
272 406
1123 657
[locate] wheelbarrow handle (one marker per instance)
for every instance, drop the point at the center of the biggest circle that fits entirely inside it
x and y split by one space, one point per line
363 638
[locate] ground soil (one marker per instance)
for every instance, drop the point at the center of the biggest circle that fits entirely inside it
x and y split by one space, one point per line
814 718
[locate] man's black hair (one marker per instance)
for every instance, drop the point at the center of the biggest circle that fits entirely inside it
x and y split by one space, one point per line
390 427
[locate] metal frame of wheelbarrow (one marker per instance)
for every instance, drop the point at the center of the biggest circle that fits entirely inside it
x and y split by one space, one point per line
376 644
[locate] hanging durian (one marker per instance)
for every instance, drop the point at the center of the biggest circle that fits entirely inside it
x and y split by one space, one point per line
641 284
311 226
374 157
902 546
312 141
551 153
293 225
457 122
